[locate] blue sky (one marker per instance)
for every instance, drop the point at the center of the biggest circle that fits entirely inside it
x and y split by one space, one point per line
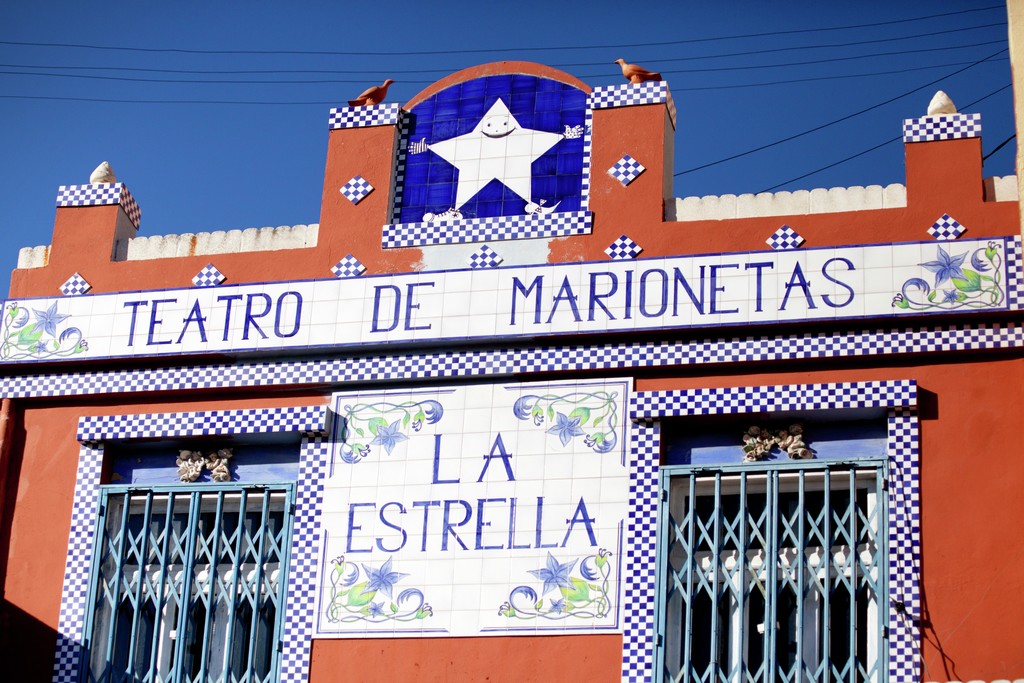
202 156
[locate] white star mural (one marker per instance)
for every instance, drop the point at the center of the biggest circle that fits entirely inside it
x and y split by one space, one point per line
497 148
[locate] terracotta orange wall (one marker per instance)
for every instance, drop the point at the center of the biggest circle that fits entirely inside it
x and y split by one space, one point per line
971 504
513 659
39 498
942 177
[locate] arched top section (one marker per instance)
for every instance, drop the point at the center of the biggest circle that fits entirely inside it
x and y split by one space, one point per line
497 69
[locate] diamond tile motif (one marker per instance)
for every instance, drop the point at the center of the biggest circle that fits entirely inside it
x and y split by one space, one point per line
75 286
946 228
356 189
784 238
485 257
349 266
208 277
944 127
626 170
623 248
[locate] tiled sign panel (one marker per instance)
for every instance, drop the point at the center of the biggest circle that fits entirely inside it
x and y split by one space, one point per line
510 145
475 510
678 292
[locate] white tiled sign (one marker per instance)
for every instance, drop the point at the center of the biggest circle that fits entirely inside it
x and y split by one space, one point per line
475 510
678 292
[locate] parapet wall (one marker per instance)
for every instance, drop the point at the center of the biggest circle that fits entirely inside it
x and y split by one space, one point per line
820 200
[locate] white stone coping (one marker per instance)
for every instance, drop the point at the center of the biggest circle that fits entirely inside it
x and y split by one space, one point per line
821 200
200 244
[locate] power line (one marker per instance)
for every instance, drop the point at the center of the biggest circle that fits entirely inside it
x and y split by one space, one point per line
761 52
835 121
86 46
999 147
819 78
888 142
324 81
758 84
117 101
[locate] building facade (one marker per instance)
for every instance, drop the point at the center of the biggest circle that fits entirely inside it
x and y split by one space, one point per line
513 412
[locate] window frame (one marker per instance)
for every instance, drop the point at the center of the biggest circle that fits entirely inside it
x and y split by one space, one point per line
721 479
106 491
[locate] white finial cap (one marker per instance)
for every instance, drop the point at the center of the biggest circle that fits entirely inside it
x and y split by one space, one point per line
103 174
941 104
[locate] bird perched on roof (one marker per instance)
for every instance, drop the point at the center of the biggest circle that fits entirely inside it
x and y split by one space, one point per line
374 95
941 104
637 74
103 174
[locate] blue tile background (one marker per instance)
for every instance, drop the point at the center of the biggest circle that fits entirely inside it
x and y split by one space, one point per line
536 103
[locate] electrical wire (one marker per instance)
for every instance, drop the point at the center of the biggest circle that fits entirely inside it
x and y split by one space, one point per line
419 82
999 147
835 121
759 52
86 46
888 142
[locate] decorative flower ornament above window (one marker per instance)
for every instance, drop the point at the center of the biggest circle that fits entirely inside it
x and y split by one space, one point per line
758 443
191 464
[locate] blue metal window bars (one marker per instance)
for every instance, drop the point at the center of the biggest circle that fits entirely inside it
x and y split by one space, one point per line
188 584
772 573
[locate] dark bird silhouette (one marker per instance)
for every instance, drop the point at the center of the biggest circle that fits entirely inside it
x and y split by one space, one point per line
637 74
374 95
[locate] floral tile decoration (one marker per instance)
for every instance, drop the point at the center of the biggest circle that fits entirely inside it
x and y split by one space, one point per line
475 510
39 332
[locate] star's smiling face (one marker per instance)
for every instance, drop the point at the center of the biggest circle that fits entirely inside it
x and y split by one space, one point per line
498 126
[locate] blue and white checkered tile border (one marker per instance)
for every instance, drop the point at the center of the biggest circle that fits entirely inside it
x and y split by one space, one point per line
1014 283
385 114
785 238
732 400
75 594
904 525
74 598
303 579
942 127
904 546
100 194
202 423
631 94
641 554
485 229
76 285
946 228
587 144
508 362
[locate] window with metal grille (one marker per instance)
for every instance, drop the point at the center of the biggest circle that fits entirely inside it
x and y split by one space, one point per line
773 573
188 584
